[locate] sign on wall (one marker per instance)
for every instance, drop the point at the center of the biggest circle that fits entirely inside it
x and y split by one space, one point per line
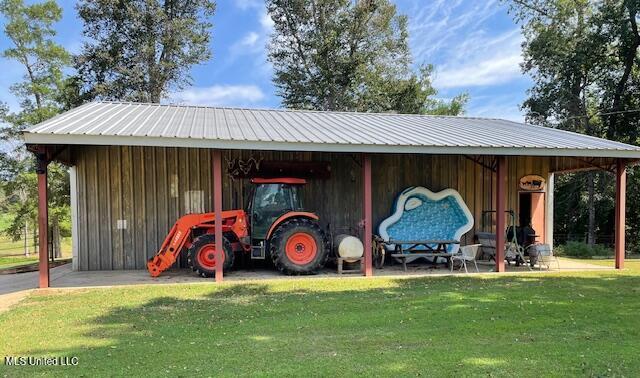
532 183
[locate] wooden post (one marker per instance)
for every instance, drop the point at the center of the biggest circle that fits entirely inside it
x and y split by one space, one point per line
43 221
217 209
367 214
620 211
500 209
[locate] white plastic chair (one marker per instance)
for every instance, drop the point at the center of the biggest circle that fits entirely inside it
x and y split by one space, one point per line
466 253
545 256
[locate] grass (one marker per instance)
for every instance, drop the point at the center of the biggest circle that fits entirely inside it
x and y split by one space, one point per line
578 324
12 262
632 265
11 251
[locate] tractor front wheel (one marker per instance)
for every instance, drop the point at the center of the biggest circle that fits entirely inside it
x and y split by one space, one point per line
298 247
201 256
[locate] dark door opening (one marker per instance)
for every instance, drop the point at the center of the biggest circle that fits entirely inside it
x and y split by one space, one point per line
524 215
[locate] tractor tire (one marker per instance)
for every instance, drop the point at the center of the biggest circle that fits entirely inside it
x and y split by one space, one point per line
200 256
298 247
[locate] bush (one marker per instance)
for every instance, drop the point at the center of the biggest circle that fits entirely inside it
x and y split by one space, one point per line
582 250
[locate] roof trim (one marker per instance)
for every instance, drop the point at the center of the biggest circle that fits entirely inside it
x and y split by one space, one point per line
84 139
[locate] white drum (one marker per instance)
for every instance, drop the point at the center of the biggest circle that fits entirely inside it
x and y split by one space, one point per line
349 247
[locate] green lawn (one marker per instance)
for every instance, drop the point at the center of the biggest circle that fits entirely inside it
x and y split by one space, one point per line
11 251
578 324
11 262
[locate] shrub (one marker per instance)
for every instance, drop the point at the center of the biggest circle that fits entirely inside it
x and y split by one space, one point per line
582 250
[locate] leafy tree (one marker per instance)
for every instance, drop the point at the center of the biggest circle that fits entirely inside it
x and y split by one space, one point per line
349 55
621 82
137 50
29 28
584 61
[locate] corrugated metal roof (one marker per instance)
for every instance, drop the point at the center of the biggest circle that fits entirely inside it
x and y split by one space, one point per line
111 123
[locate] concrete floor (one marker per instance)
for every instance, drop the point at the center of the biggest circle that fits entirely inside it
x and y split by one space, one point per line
64 277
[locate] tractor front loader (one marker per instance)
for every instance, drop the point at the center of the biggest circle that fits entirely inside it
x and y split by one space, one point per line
198 230
274 225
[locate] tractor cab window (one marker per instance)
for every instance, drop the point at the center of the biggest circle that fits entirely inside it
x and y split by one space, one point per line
270 201
272 197
296 198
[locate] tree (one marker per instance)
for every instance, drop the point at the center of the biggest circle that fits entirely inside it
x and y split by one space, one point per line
583 58
621 83
562 57
29 28
349 55
137 50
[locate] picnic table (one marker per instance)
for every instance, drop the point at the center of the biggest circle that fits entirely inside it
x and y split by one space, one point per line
421 248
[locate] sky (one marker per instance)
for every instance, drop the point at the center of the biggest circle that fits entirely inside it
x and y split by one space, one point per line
474 45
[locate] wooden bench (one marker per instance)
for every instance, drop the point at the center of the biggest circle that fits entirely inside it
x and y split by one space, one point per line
421 248
403 257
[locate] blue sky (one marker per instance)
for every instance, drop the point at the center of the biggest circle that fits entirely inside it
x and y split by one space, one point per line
474 45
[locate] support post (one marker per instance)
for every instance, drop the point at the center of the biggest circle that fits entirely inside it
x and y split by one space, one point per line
73 184
367 214
548 235
217 209
620 212
43 221
500 209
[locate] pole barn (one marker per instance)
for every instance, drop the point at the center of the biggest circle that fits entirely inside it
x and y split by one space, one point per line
136 168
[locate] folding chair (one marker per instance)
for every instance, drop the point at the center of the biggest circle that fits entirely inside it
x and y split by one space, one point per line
466 253
545 256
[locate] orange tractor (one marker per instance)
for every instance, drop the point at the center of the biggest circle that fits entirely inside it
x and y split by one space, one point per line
274 225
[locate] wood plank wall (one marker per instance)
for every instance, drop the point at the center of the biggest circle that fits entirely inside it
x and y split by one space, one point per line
150 187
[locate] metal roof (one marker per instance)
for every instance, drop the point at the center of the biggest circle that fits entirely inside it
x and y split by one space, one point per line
136 124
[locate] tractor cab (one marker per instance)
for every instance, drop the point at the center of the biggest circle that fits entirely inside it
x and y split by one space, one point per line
269 200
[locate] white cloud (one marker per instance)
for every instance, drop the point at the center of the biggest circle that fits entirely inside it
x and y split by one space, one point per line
247 44
246 4
266 21
492 71
219 95
436 29
483 62
459 38
254 43
250 39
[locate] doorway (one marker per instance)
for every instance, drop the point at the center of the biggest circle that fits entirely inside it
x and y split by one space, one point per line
531 212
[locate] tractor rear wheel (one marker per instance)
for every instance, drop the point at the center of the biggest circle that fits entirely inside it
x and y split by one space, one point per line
201 255
298 247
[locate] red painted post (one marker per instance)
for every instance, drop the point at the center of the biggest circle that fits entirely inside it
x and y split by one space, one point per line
500 209
217 209
43 223
368 215
620 212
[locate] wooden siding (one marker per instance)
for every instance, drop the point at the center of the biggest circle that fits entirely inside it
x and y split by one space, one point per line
150 187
